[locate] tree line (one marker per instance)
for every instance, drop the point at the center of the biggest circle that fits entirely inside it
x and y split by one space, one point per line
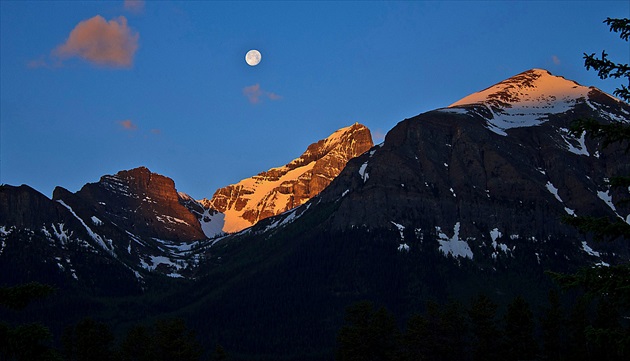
91 340
585 330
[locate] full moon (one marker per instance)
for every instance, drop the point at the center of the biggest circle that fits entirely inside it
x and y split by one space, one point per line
253 57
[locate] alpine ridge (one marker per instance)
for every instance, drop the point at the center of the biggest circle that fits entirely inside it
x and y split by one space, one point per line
283 188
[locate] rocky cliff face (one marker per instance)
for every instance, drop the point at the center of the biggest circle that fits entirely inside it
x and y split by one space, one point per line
280 189
45 240
144 203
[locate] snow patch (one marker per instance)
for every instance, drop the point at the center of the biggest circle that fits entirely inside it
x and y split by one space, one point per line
453 245
401 230
553 190
580 149
403 247
607 198
495 234
589 250
212 224
61 233
3 231
364 175
98 239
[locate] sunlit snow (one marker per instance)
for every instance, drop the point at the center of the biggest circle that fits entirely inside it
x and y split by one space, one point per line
526 100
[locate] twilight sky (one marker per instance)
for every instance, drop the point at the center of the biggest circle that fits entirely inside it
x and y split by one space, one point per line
92 88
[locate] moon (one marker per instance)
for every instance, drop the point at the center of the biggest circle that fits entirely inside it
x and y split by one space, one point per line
253 57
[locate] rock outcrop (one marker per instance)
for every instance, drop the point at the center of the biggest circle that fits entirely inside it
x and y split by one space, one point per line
280 189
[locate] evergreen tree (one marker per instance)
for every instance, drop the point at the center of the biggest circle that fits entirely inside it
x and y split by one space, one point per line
553 327
519 331
485 333
609 339
454 332
135 346
18 297
579 348
610 285
27 341
368 335
418 341
173 341
219 354
88 340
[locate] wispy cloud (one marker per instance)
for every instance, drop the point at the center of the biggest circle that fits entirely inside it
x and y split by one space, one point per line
273 96
105 43
555 60
134 6
41 62
128 125
255 94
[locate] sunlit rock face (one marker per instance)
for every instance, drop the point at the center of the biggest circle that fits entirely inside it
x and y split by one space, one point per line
142 202
283 188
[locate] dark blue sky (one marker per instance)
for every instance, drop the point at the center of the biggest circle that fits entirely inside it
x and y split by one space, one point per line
91 88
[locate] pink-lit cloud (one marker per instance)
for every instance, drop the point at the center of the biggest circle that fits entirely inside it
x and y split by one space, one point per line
128 125
134 6
41 63
378 136
273 96
106 43
555 60
255 94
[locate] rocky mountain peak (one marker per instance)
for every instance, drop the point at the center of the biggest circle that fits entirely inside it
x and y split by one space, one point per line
146 203
527 89
531 97
282 188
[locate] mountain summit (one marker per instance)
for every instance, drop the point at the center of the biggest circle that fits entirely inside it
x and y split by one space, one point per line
528 98
283 188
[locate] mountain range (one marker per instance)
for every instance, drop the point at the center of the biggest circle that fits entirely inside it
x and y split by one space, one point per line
459 200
